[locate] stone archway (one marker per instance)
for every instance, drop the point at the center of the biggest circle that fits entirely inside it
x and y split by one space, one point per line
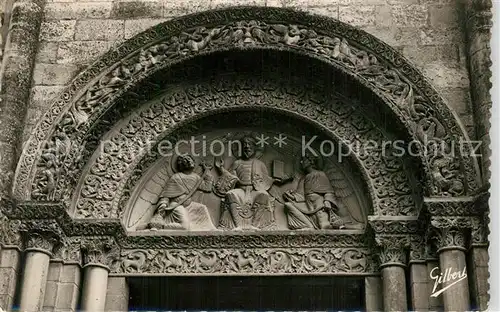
80 195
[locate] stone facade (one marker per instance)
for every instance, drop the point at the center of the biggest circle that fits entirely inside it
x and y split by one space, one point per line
77 220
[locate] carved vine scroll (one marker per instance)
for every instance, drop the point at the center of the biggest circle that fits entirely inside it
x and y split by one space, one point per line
370 62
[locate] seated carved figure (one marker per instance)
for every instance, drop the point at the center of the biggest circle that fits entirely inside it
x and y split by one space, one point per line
175 208
250 191
312 205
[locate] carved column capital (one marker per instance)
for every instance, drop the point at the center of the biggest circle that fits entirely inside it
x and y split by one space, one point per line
451 232
69 251
41 241
393 249
99 252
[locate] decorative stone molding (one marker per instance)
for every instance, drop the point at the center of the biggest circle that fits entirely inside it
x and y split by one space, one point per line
41 241
99 251
417 248
42 173
460 206
394 225
18 59
245 261
393 249
451 232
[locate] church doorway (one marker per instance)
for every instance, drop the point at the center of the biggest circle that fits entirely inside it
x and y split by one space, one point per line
247 293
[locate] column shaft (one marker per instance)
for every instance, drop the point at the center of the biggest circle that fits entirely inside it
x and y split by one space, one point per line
117 294
373 294
95 285
394 284
9 268
455 298
34 280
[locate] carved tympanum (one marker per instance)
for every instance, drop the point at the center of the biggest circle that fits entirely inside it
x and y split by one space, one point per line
256 188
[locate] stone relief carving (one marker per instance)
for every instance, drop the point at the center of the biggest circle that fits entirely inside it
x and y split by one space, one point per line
244 261
254 192
176 209
249 191
313 205
393 249
392 193
407 93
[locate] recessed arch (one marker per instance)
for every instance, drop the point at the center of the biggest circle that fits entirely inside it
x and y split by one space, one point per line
371 63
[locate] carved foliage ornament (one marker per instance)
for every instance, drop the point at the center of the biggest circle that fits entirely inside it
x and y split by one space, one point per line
104 182
244 261
393 249
40 172
99 251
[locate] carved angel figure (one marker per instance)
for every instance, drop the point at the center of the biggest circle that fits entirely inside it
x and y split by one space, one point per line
175 209
312 205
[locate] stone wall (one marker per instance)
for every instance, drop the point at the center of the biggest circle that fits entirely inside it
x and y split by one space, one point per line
428 32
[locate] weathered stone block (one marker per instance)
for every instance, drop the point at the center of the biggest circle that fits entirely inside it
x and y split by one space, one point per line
420 297
67 297
77 10
358 2
71 274
444 15
418 273
107 30
446 77
448 54
330 11
53 74
409 15
395 36
55 270
479 41
133 27
41 96
49 300
63 30
136 9
298 4
228 3
437 36
482 275
9 258
383 15
7 281
458 99
357 15
47 52
176 8
480 257
81 52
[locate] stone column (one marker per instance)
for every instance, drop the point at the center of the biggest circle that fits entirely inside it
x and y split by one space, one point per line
478 24
393 263
9 268
117 294
418 274
97 256
452 263
15 83
35 273
373 294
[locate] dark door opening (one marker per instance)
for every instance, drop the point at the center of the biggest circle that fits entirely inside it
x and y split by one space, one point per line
247 293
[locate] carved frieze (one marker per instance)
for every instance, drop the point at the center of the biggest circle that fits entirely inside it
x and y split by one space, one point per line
43 174
245 261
